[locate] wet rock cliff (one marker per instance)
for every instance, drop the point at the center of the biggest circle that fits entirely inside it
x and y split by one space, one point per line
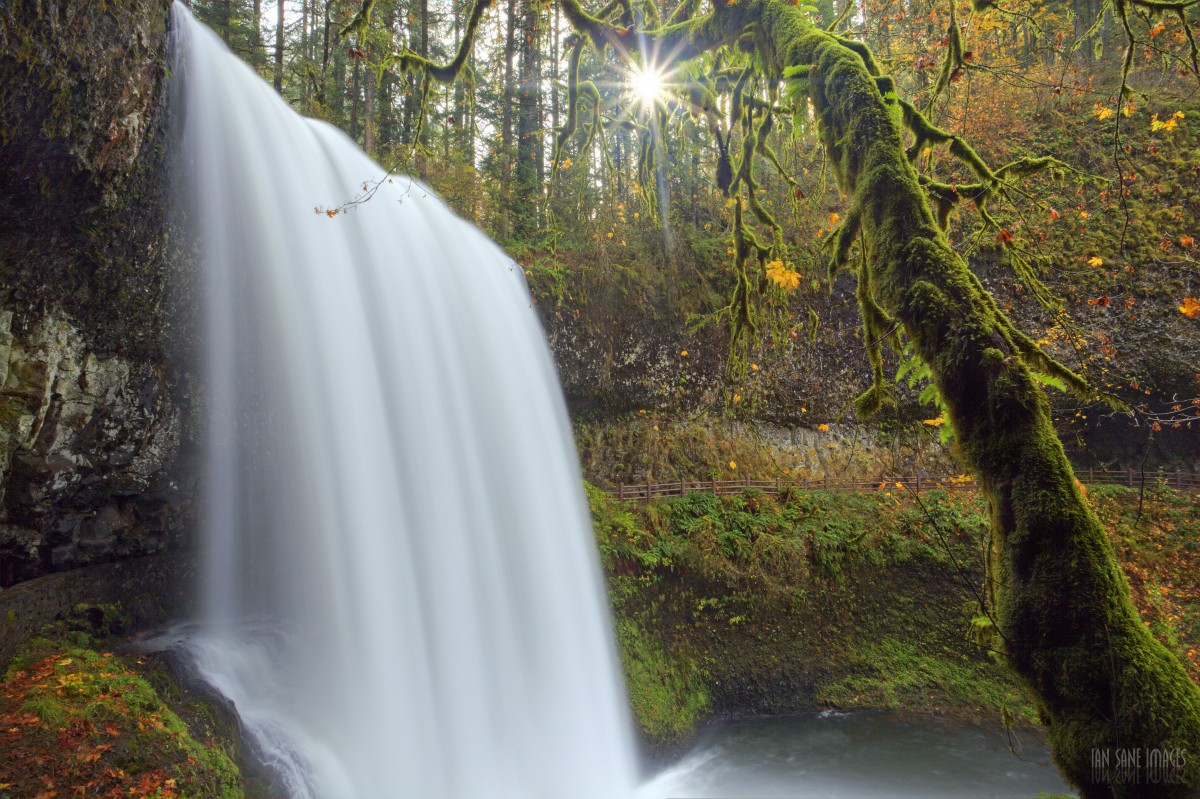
92 429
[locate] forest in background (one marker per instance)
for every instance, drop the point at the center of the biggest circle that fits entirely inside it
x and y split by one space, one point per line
631 230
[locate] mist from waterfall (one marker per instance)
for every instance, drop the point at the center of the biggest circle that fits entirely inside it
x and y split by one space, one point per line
400 589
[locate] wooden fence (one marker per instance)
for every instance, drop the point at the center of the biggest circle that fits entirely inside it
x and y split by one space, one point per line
1183 481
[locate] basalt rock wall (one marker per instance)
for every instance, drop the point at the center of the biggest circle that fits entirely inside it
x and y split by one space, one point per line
94 431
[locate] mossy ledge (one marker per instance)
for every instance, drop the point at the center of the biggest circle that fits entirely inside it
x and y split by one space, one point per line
742 604
99 720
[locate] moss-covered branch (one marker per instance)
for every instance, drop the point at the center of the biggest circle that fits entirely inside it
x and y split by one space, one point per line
1058 597
1060 603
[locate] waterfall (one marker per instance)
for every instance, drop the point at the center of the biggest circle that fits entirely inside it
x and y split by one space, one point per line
401 594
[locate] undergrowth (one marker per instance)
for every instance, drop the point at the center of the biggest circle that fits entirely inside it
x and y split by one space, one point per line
748 603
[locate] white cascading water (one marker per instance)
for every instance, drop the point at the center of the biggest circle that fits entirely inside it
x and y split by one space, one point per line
400 588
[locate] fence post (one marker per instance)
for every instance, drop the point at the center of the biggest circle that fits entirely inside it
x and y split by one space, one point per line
825 482
621 492
1129 474
648 494
1091 475
714 485
1178 480
918 482
778 486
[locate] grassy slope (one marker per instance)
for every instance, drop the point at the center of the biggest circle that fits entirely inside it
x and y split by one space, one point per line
743 604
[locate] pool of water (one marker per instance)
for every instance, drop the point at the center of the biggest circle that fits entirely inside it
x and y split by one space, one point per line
862 755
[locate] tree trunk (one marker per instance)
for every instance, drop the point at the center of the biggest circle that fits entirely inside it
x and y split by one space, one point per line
554 77
355 94
327 23
256 38
1059 601
506 123
369 110
528 181
279 25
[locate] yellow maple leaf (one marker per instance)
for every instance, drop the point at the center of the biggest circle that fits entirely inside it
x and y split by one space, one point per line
1168 124
732 465
781 276
1190 307
823 428
1102 112
1095 261
938 422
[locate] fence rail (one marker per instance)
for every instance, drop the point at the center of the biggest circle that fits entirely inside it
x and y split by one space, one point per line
1180 480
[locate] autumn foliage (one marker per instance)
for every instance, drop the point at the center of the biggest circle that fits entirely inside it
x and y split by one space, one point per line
80 723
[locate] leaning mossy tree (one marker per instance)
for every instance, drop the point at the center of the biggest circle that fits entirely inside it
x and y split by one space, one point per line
1057 605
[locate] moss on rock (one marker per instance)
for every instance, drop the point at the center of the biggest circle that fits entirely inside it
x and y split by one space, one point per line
93 723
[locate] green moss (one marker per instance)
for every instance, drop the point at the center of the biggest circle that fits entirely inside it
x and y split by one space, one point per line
821 599
95 723
900 674
668 698
1059 600
742 603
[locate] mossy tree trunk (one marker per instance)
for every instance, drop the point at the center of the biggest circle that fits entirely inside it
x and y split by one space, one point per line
1059 601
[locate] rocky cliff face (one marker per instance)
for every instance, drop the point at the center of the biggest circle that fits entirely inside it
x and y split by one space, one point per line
91 425
88 443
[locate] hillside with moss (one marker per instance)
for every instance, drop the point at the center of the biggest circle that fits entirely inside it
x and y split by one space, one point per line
745 604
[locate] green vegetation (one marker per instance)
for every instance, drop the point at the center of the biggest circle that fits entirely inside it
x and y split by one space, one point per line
77 719
748 604
745 604
668 699
898 675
